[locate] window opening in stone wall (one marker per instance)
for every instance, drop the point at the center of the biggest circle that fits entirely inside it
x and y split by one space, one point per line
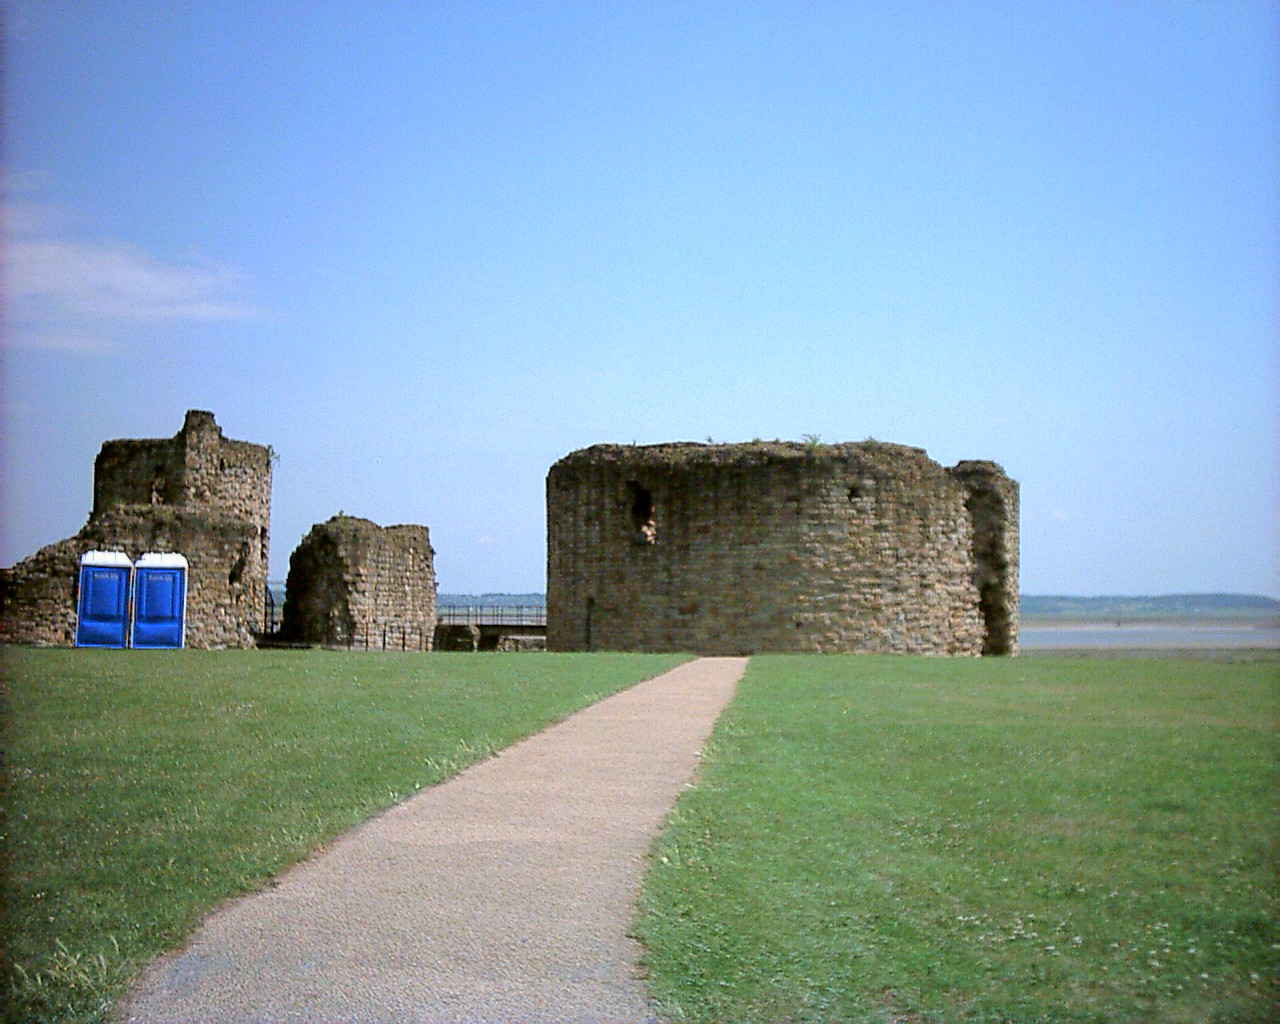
861 489
642 514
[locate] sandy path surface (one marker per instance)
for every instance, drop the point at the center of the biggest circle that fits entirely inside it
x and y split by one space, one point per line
504 894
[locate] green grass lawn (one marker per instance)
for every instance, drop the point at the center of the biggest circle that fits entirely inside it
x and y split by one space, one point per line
141 787
912 840
871 839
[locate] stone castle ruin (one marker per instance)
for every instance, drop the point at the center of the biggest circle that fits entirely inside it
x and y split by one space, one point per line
353 583
197 493
718 549
774 546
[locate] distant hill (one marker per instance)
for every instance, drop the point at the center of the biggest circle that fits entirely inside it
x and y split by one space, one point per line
1251 607
1166 606
1036 606
490 600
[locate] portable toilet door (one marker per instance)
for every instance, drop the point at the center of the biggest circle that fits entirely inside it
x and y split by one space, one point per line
102 608
160 601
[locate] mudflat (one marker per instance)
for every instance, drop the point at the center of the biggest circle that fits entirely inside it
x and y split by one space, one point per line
504 894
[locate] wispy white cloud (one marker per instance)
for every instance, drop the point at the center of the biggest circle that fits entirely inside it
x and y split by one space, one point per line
115 282
69 294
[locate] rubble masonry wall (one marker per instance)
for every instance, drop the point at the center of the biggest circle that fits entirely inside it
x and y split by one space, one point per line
734 549
354 583
198 494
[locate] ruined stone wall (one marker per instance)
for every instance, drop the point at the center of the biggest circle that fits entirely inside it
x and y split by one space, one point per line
731 549
457 636
197 494
354 583
196 468
38 596
517 643
992 500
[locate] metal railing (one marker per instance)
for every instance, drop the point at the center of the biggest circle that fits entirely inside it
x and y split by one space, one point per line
492 615
392 636
273 607
396 636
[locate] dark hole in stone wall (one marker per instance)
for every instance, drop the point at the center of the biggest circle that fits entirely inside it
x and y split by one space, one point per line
861 489
642 513
237 568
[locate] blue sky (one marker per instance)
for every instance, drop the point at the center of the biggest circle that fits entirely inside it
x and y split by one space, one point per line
426 249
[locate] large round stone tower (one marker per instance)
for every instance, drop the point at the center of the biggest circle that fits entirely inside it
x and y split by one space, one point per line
772 546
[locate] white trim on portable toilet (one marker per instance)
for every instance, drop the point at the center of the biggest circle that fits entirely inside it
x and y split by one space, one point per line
162 560
115 558
104 599
152 561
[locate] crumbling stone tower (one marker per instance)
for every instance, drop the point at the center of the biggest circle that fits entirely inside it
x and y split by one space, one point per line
197 493
734 549
354 583
196 469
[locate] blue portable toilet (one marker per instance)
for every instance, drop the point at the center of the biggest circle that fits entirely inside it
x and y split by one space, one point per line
102 609
160 601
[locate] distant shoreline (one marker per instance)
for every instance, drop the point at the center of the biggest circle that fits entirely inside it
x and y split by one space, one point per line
1193 612
1066 621
1165 636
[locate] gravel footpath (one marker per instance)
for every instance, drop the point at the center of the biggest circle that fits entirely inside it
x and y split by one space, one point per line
504 894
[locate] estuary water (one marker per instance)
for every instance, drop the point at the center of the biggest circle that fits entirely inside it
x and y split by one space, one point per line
1163 636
